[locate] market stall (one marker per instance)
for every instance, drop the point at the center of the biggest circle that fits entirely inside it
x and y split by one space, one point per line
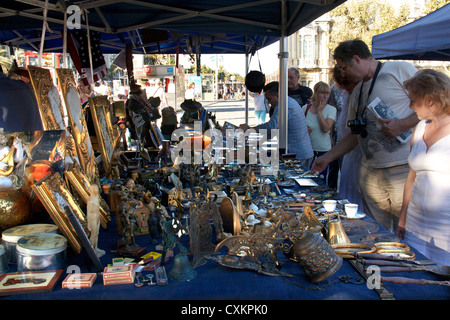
268 237
184 223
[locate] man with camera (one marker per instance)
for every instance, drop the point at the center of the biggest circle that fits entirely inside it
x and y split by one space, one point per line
384 166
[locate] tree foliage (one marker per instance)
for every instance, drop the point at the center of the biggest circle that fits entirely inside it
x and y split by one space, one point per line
433 5
362 19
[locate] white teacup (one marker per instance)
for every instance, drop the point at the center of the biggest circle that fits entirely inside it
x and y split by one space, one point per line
329 205
351 209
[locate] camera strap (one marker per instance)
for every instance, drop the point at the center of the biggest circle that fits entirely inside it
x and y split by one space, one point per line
370 89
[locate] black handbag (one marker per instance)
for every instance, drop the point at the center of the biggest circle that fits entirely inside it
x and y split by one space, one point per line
155 102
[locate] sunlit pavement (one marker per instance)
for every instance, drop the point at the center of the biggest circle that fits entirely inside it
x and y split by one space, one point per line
232 111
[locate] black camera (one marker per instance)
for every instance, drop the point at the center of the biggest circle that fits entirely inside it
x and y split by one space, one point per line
358 126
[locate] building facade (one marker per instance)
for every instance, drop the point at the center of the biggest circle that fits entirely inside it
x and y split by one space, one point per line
309 52
309 47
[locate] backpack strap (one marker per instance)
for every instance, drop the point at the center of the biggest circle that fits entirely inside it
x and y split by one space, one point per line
307 109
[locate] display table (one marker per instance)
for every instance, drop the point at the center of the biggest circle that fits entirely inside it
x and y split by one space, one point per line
218 283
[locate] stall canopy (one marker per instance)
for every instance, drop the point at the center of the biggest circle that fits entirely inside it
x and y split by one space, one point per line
424 39
166 26
160 26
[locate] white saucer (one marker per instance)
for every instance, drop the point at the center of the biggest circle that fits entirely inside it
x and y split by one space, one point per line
358 215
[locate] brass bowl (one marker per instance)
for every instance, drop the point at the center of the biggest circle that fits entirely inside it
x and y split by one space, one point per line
392 246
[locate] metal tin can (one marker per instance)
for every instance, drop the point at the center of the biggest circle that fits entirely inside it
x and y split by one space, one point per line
12 235
45 251
3 261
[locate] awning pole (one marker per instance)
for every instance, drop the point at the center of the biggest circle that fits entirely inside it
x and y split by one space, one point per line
44 29
89 48
65 41
282 94
246 90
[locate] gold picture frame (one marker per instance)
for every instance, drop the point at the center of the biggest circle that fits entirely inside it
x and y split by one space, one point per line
48 99
101 117
81 185
50 106
54 196
77 123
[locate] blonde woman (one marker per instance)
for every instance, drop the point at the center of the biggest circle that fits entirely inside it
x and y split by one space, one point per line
425 215
320 118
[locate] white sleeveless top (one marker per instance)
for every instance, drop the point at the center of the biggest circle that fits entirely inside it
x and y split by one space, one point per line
428 215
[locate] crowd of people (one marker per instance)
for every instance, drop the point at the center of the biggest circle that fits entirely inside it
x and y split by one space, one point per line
404 186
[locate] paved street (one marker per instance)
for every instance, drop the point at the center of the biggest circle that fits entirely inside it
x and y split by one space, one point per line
232 111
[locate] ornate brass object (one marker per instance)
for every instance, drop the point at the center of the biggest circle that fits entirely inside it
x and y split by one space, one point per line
336 233
309 219
315 255
255 252
230 217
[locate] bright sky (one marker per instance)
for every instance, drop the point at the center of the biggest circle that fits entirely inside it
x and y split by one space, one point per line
235 63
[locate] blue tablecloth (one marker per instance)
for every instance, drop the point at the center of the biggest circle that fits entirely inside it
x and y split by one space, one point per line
221 284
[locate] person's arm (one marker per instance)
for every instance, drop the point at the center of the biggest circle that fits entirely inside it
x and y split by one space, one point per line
400 230
407 189
344 146
326 124
394 127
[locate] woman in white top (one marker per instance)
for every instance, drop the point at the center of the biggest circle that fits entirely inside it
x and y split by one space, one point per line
189 94
320 118
425 215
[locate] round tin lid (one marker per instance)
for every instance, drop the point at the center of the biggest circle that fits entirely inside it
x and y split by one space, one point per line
15 233
41 244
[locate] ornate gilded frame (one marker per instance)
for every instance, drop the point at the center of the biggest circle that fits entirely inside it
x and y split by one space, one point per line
50 106
80 183
47 96
54 195
77 123
101 117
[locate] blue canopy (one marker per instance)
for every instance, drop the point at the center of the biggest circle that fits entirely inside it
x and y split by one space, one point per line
161 26
424 39
167 26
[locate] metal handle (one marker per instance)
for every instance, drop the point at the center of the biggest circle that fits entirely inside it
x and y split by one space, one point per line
400 269
385 263
404 280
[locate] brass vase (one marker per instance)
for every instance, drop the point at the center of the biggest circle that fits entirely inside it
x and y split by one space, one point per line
316 256
15 209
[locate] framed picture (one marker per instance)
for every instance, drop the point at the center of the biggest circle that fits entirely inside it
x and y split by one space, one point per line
100 113
28 282
54 196
78 181
84 239
46 150
119 109
50 106
48 99
77 123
